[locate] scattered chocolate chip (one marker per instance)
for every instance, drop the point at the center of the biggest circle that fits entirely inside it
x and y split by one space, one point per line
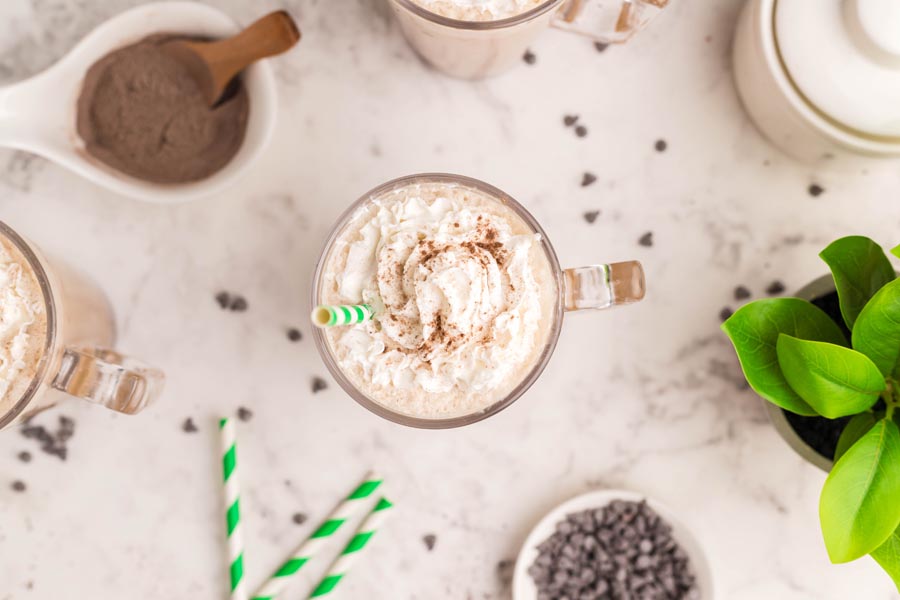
815 190
244 414
570 120
741 293
591 215
299 518
600 46
319 384
294 334
25 457
661 145
188 426
238 304
587 179
53 444
646 239
18 486
529 57
775 288
725 313
581 131
505 571
430 540
224 299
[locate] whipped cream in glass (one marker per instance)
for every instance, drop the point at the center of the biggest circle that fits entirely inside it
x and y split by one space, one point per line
463 292
23 324
479 10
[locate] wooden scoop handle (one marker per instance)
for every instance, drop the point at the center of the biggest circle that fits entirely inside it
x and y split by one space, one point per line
272 34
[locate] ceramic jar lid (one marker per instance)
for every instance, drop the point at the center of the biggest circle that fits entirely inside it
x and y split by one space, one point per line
844 56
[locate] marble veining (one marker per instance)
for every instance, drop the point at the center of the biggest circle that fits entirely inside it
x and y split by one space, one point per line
647 398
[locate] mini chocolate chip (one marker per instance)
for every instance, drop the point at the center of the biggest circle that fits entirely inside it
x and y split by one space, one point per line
25 456
506 570
591 215
18 486
741 293
299 518
430 540
815 190
188 426
244 414
581 131
600 46
725 314
319 384
529 57
294 334
570 120
587 179
660 145
224 299
239 304
775 288
646 239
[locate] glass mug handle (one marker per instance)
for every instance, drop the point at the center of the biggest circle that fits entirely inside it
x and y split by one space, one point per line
602 286
108 378
607 21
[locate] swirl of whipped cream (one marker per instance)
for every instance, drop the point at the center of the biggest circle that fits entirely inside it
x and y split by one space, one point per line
450 273
21 310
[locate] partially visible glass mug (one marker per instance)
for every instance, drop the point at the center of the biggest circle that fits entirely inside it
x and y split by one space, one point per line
562 290
477 49
66 350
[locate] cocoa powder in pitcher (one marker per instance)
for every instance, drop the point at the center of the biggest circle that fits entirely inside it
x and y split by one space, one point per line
141 112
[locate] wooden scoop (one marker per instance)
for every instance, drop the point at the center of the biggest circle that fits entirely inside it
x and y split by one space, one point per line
215 64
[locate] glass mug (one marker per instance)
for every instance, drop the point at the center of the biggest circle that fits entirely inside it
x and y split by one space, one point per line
476 49
74 359
591 287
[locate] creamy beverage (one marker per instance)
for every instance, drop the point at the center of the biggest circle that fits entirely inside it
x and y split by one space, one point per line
56 328
23 325
479 10
464 297
472 39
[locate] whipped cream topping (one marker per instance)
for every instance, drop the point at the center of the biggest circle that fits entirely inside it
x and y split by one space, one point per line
455 278
479 10
23 323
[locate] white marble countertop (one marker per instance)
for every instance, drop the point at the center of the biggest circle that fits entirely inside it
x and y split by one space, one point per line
645 398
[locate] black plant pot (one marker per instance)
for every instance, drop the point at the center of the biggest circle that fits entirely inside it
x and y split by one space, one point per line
813 438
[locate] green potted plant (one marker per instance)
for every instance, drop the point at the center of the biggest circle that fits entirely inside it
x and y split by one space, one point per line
842 370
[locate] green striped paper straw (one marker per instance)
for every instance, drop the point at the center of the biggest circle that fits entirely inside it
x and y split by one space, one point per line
233 510
345 314
357 544
347 509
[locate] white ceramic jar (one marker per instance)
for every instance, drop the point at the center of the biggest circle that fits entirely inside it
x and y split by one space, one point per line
821 78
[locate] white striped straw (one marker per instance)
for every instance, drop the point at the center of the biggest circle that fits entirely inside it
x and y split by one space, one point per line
346 510
354 548
233 511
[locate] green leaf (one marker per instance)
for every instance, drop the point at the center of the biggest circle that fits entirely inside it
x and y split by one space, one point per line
859 508
888 556
877 330
835 381
754 331
860 269
853 432
896 251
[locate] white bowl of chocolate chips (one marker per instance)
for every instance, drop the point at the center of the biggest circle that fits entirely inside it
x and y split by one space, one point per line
128 124
611 545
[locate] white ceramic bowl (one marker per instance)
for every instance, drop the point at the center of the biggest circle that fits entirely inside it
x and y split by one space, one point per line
38 114
523 586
